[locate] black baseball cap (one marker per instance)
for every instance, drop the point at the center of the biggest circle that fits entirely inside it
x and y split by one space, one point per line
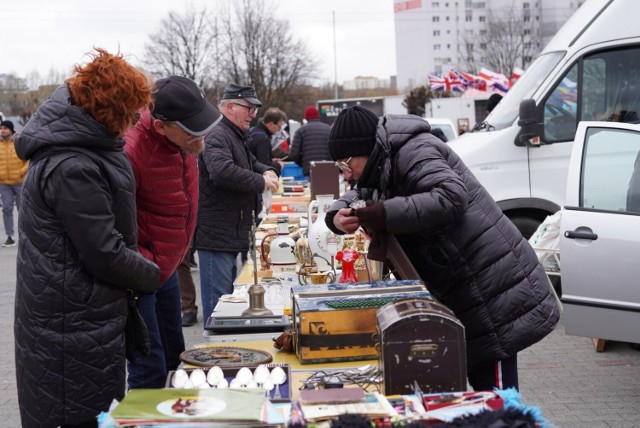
178 99
234 91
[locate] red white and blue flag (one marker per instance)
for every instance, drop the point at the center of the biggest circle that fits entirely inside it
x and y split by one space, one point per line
446 83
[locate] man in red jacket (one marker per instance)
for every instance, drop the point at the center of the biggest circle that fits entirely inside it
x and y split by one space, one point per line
163 148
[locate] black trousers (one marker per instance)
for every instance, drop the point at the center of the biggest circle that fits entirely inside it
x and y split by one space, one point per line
502 374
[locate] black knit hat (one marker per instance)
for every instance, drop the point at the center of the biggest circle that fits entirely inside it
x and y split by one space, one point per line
353 133
8 124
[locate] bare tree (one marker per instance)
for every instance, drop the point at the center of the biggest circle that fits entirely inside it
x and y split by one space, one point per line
184 45
507 40
260 50
417 99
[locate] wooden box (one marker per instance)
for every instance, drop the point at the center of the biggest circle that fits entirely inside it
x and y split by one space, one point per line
421 342
340 324
361 288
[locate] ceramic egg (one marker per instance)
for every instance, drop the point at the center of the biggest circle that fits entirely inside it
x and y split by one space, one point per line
244 375
278 375
180 377
260 374
197 377
215 375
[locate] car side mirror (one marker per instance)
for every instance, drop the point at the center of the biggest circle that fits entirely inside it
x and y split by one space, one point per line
529 134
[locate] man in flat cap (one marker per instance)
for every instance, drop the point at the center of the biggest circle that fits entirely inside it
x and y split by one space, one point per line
230 180
163 148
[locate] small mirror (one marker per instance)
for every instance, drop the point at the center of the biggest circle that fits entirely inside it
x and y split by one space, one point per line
529 134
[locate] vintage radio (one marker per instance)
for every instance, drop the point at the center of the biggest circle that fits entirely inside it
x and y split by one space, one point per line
338 324
421 341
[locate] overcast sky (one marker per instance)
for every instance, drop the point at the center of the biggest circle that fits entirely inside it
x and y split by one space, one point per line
39 35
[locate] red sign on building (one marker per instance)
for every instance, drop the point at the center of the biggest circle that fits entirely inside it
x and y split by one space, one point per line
406 5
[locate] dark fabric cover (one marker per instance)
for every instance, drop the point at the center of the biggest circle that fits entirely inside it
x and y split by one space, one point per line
471 256
259 144
77 255
230 180
310 143
166 195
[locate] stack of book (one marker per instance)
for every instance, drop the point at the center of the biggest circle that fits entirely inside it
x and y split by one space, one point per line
319 405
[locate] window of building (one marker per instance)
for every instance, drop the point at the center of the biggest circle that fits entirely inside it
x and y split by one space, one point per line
435 4
435 18
525 5
482 18
436 47
436 33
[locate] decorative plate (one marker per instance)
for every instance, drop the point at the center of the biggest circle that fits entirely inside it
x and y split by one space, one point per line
225 356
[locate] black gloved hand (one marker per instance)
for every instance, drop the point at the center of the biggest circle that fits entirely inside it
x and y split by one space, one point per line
373 216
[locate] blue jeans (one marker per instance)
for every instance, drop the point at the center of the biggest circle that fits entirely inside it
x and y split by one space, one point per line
161 312
9 195
217 271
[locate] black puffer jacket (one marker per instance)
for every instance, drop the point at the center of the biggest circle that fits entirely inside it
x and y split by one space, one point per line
230 180
471 256
310 143
77 255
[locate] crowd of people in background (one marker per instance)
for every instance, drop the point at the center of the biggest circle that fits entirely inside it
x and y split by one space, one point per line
119 180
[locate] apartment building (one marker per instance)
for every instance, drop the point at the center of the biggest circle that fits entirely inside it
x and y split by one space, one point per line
435 36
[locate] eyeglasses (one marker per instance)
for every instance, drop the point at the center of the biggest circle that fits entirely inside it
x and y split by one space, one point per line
251 110
344 165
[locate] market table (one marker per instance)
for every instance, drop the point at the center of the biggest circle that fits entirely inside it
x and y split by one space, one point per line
264 342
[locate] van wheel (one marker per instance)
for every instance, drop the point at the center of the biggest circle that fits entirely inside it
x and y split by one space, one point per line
526 225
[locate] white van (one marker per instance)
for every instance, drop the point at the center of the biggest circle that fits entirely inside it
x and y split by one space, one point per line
589 71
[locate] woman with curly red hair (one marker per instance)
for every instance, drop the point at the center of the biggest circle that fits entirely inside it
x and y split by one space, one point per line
77 253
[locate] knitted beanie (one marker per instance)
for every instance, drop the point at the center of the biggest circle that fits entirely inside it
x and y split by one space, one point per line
353 133
311 113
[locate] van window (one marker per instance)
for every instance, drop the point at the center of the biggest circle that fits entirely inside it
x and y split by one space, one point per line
561 108
610 177
608 90
508 108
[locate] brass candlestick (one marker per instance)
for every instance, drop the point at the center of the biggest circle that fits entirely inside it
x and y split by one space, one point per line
256 291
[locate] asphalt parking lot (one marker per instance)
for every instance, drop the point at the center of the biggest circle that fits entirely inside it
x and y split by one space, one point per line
573 385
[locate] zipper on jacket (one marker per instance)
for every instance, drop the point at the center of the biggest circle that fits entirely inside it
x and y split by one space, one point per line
190 202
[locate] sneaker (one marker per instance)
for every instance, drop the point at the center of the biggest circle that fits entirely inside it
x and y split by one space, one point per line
9 242
189 319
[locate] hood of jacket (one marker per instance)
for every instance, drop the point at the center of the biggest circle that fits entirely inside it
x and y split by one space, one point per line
59 123
393 132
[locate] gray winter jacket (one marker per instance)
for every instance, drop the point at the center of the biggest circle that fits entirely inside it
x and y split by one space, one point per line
310 143
77 255
471 256
230 181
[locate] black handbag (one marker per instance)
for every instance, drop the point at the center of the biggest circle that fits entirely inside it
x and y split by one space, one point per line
136 333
